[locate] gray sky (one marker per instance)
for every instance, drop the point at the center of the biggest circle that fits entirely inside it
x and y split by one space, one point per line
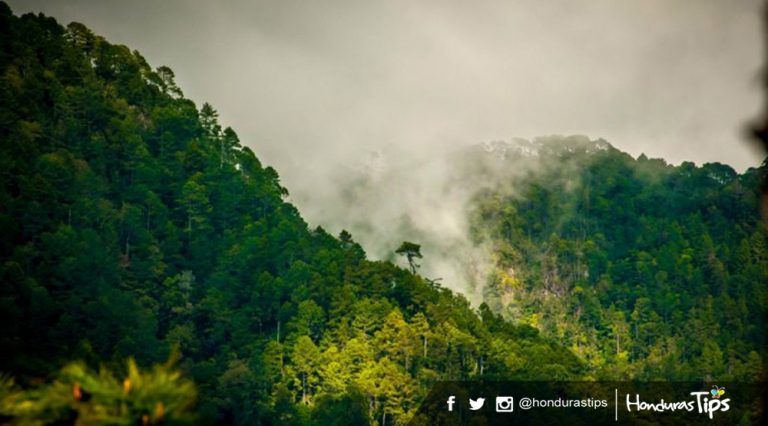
314 87
312 82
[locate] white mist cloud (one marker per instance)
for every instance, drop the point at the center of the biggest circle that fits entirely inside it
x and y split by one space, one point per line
315 87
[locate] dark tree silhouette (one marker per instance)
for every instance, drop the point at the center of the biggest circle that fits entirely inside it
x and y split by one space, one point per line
411 251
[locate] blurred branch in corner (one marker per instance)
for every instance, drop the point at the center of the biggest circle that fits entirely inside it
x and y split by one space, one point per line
760 129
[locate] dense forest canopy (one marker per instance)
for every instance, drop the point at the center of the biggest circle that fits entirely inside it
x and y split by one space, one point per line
133 224
645 270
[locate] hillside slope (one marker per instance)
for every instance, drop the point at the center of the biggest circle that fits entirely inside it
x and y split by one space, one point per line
133 223
643 269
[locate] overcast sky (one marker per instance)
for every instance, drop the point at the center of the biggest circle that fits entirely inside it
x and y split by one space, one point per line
307 83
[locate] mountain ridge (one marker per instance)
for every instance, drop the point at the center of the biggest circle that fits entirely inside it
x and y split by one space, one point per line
135 224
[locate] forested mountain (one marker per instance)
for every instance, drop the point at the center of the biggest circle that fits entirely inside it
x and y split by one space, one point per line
645 270
132 224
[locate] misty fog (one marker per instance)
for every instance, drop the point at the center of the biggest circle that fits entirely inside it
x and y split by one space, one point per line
365 107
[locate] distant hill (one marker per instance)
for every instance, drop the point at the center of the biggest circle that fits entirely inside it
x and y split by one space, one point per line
642 268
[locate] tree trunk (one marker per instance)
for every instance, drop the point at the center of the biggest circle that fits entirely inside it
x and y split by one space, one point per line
221 154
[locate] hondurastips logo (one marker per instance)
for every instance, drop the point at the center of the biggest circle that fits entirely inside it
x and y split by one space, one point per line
702 403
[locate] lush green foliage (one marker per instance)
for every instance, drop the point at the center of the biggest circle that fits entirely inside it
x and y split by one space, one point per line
643 269
133 223
82 396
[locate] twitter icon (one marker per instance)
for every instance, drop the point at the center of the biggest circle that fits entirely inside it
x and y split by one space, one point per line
476 404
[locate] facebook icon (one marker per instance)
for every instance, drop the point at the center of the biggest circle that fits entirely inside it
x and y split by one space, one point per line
451 399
